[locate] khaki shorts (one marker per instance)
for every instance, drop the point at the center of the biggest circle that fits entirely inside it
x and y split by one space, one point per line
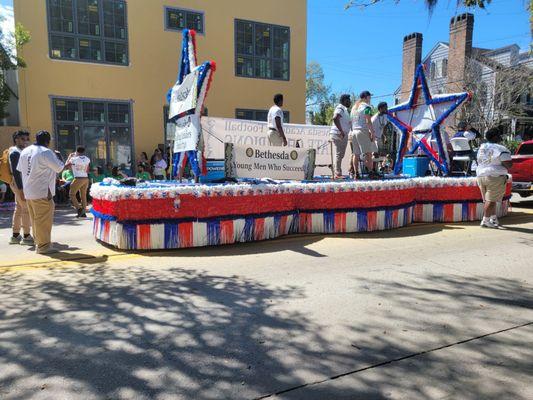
275 138
492 187
361 143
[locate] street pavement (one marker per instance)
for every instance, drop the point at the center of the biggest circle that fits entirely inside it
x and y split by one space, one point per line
430 311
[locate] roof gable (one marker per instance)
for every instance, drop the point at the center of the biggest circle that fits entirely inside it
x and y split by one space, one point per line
435 48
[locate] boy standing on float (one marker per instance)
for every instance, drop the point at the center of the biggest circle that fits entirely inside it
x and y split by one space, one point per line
339 132
276 134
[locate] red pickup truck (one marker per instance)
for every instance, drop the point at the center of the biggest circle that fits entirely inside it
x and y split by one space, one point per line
522 169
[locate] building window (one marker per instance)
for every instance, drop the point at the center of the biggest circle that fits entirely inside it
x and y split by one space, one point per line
88 30
257 115
432 70
262 50
178 19
444 68
104 128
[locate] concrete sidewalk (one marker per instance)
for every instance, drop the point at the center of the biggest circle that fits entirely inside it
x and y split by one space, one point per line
71 235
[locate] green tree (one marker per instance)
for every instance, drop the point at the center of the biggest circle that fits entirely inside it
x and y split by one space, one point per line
316 91
10 59
322 116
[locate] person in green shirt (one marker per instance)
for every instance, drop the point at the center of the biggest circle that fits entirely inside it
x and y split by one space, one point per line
117 174
64 185
97 175
362 135
66 178
142 174
108 171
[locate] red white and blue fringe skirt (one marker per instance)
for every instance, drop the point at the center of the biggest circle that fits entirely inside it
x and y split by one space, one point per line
174 216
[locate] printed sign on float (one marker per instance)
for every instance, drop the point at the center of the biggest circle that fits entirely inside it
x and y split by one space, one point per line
217 131
268 162
186 133
183 96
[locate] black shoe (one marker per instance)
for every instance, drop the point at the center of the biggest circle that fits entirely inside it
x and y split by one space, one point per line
79 212
83 215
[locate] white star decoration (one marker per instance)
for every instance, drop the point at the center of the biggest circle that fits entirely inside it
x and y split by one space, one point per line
421 118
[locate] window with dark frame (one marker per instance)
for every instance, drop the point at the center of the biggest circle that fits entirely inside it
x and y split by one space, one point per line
258 115
88 30
262 50
178 19
103 127
444 68
432 70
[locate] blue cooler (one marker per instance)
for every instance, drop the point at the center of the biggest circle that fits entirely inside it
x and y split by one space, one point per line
415 166
215 171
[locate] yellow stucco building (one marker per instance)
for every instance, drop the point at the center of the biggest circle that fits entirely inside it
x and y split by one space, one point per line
98 70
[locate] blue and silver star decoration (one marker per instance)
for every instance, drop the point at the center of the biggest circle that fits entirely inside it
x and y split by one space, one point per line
419 120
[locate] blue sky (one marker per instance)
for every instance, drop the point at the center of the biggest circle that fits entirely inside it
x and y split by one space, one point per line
362 49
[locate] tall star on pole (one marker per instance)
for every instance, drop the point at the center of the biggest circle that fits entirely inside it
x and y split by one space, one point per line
188 64
420 119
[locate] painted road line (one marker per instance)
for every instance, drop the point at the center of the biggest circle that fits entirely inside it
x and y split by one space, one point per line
65 263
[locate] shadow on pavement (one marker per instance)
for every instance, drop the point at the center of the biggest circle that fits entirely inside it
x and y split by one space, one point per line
103 333
62 216
522 202
453 374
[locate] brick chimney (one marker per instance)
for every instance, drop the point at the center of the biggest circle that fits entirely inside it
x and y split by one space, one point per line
461 30
412 56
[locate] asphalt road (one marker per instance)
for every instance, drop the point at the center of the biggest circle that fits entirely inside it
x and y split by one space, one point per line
439 311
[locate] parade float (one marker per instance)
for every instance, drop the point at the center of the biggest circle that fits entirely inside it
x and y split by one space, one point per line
271 192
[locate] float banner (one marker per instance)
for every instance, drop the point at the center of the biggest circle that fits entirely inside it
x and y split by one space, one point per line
255 133
184 96
186 133
268 162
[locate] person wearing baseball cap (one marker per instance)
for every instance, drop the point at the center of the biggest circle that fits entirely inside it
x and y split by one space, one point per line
39 166
362 136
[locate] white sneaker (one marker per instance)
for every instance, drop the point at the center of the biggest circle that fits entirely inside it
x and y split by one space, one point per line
27 241
15 239
488 224
495 221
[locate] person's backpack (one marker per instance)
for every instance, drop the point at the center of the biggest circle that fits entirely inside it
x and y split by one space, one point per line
5 171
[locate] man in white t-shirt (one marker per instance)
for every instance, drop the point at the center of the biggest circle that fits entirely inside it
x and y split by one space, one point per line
79 163
380 122
342 125
276 134
494 161
39 167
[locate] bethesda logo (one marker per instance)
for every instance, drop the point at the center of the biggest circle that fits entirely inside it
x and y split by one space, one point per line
271 155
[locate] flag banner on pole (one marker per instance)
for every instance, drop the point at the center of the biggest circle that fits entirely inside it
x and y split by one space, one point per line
184 96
